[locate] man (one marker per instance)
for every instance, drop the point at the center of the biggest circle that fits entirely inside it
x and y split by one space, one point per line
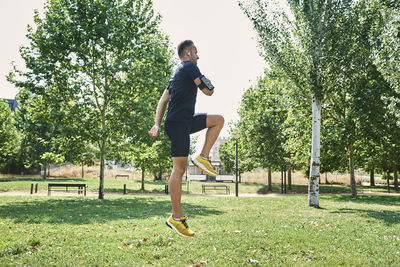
180 122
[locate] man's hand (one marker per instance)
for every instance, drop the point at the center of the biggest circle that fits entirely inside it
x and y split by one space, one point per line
154 131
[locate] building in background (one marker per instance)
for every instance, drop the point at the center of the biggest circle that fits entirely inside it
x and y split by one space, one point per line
194 173
214 150
12 103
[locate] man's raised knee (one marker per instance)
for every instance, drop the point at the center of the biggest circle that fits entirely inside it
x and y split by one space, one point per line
222 119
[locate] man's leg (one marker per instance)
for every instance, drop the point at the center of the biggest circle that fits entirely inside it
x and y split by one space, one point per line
214 124
175 184
176 221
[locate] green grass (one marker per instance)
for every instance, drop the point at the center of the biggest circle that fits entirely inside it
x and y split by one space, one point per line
134 186
130 231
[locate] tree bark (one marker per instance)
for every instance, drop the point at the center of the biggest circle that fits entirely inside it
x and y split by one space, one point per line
351 169
101 187
289 178
396 180
372 177
44 170
313 181
142 176
269 179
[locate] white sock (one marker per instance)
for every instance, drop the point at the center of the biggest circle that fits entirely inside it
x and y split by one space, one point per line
203 157
176 219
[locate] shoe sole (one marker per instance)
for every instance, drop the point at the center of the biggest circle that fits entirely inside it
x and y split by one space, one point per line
172 227
203 168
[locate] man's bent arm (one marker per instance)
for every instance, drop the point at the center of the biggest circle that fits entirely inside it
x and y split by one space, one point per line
205 90
161 107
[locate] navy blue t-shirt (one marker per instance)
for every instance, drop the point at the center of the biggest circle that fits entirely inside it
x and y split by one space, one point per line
183 92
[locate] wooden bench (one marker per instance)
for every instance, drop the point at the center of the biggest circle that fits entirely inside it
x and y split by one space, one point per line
215 187
81 187
122 176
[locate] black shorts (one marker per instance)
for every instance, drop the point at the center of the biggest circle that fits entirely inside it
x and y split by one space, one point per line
179 133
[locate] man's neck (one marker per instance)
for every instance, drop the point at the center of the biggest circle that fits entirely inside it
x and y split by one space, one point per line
186 58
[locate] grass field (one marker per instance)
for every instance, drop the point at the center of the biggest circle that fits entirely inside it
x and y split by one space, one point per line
23 184
130 231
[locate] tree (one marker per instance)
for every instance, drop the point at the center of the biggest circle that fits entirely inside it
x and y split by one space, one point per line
100 67
227 155
386 39
263 112
33 119
266 107
300 44
9 136
357 106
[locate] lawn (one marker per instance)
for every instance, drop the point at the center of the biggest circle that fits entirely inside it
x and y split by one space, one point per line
134 186
130 230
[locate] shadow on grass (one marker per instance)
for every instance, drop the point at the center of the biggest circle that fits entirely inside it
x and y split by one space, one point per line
389 217
303 189
88 211
389 200
135 191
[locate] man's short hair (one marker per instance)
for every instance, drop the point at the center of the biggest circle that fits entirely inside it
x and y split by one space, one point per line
182 47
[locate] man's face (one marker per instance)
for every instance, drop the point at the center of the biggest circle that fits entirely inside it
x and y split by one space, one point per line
193 54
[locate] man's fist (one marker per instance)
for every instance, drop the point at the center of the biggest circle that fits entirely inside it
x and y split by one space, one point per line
154 131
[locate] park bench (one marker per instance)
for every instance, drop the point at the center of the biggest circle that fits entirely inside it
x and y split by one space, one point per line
81 187
215 187
122 176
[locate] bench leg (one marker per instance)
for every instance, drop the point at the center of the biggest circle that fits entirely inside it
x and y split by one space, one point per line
48 191
85 190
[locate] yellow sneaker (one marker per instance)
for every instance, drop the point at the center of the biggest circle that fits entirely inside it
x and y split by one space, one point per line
205 166
180 226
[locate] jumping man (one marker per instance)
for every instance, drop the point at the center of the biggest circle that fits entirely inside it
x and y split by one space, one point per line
181 121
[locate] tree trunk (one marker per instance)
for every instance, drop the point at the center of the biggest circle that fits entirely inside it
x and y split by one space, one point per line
44 170
396 181
101 187
269 179
142 176
289 178
48 171
313 181
372 177
351 169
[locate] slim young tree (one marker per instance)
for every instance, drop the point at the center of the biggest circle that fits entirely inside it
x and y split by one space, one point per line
299 41
100 66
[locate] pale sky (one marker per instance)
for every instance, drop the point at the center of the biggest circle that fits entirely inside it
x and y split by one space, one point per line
222 33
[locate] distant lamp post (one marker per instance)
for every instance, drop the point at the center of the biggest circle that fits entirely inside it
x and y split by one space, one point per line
236 167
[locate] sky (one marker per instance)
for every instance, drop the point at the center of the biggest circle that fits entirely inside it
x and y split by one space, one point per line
223 35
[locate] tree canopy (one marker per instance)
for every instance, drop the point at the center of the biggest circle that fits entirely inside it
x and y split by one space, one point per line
97 68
